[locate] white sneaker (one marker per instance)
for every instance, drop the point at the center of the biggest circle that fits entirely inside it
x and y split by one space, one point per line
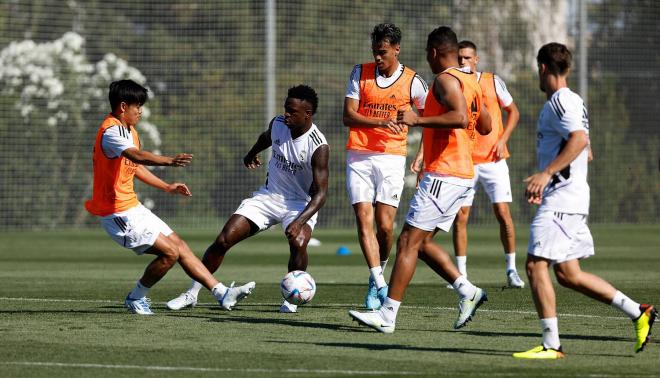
234 295
288 308
467 308
374 320
513 280
140 306
184 300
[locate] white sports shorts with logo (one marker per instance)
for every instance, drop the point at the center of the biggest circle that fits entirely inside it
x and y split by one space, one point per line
494 178
374 177
560 237
136 228
266 209
436 203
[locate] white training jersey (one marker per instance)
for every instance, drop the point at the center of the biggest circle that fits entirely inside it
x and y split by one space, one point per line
418 89
568 190
503 96
290 168
115 140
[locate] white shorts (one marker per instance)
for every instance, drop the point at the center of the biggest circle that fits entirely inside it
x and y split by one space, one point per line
266 210
373 177
494 178
436 203
136 228
560 237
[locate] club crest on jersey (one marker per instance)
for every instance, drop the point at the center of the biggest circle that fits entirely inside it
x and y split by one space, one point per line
302 156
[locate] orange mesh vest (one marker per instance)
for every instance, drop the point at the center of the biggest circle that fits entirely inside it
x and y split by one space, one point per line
483 148
113 178
382 103
449 151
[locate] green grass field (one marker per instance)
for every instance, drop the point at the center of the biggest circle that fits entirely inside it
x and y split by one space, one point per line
62 313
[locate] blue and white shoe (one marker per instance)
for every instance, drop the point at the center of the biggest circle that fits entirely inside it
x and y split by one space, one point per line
235 294
382 294
140 306
371 301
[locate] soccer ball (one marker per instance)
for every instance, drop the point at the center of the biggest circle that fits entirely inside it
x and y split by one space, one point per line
298 287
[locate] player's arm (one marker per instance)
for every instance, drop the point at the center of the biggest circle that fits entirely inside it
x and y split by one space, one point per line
143 157
512 118
447 89
352 118
577 141
147 177
484 122
318 191
251 159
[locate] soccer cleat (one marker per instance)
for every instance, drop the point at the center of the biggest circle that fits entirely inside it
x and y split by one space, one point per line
643 325
382 294
138 306
513 280
234 295
372 319
467 308
184 300
371 301
541 353
288 308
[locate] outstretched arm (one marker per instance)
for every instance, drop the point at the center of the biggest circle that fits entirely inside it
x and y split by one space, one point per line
145 175
251 159
318 191
143 157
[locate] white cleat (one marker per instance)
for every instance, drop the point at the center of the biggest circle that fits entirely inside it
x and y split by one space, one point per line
140 306
372 319
288 308
467 308
184 300
233 295
513 280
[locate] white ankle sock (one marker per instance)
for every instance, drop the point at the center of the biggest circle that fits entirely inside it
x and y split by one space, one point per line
389 309
383 264
550 333
138 291
376 274
510 259
464 287
218 290
195 288
461 264
627 305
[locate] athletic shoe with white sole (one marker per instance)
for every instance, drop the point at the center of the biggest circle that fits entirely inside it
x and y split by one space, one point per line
513 280
288 308
540 353
467 308
374 320
643 326
184 300
140 306
233 295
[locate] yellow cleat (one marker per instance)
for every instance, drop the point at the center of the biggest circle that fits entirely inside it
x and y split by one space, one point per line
540 353
643 326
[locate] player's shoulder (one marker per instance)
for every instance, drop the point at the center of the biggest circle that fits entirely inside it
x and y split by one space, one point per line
316 136
565 100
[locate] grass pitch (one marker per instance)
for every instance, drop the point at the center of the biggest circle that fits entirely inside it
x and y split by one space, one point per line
62 313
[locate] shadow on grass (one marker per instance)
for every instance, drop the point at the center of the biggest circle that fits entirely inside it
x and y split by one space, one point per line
383 347
286 322
537 335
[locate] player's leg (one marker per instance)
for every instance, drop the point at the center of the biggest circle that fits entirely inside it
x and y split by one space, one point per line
508 239
298 259
459 236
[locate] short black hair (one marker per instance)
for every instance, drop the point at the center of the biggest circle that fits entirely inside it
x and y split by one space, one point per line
386 32
127 91
304 93
443 38
556 57
465 44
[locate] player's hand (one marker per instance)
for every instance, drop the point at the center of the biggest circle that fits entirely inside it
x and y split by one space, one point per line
408 118
499 149
178 188
293 230
395 127
535 185
181 160
252 162
416 165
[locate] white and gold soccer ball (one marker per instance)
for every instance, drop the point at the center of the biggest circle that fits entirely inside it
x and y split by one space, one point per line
298 287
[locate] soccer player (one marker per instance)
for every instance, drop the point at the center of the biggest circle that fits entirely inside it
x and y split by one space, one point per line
559 235
490 168
452 113
377 148
117 159
295 189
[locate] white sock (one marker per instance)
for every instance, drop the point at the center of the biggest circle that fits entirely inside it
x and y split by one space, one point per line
139 291
383 264
464 287
627 305
461 264
510 259
376 274
195 288
550 333
218 290
389 309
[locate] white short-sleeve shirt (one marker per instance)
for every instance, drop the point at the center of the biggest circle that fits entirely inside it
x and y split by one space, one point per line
115 140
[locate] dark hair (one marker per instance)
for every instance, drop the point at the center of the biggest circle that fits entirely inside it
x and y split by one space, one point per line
127 91
304 93
556 57
465 44
386 32
442 38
